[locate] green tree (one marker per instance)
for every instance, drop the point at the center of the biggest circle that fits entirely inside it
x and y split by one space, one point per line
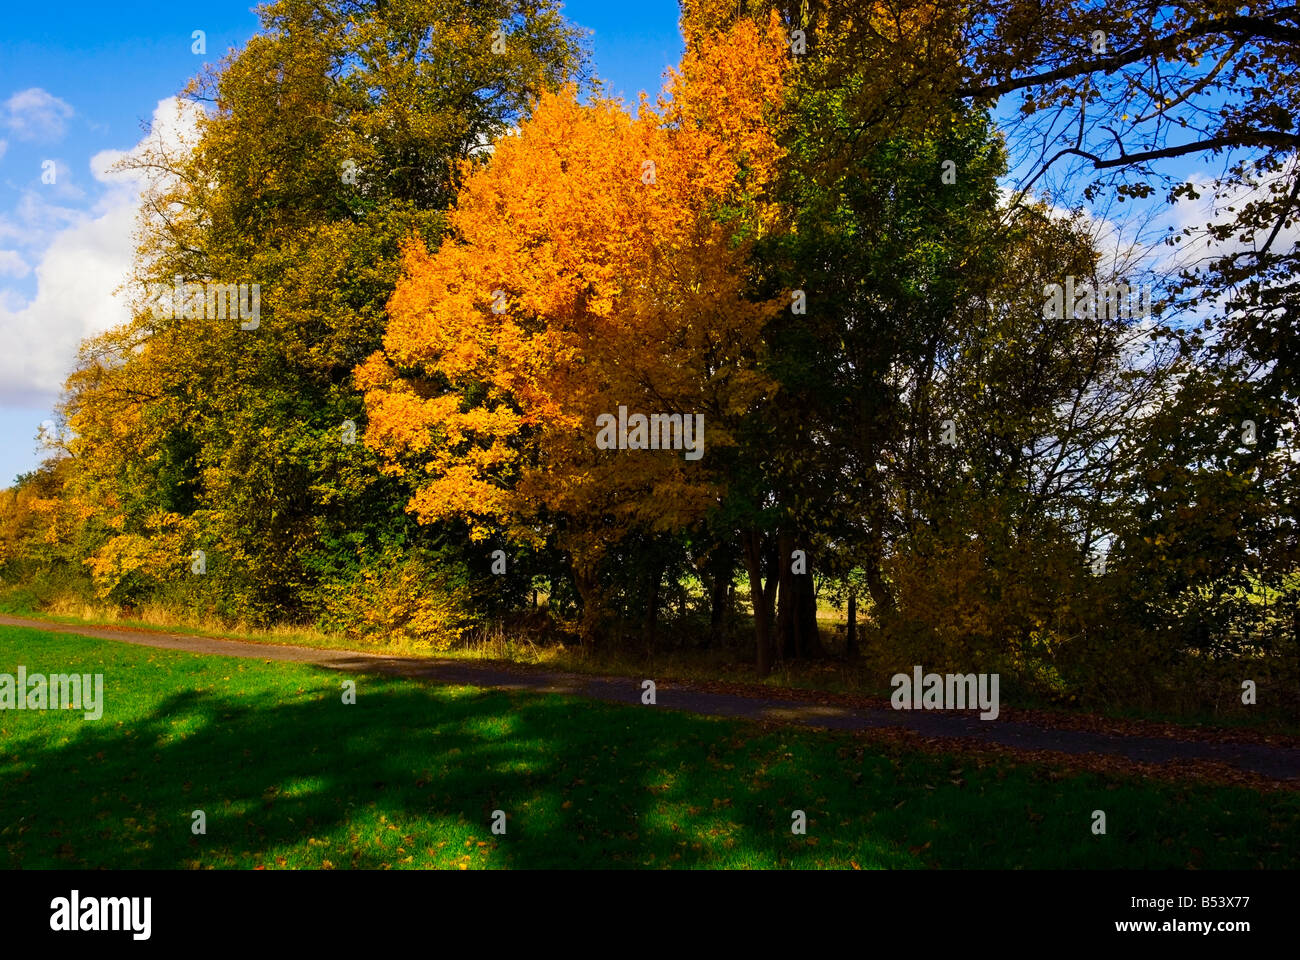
335 134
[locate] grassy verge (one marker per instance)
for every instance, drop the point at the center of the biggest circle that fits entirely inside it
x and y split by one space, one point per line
21 603
727 665
290 776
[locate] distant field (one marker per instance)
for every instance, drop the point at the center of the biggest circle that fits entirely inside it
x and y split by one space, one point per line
409 776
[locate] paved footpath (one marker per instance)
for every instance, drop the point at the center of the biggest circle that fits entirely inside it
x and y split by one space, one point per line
1274 762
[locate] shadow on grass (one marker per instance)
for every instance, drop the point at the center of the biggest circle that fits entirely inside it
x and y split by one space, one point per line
406 772
410 776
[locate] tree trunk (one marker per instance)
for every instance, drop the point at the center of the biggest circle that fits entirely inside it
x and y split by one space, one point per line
719 593
651 624
851 631
753 549
786 602
769 587
797 632
593 617
807 635
880 595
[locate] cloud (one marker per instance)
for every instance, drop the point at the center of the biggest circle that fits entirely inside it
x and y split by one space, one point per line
87 256
36 221
174 128
12 264
1120 242
1192 218
74 299
35 114
4 146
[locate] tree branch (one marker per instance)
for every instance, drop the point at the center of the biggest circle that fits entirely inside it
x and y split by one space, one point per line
1241 28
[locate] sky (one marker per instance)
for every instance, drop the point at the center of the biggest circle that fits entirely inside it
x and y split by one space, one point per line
80 84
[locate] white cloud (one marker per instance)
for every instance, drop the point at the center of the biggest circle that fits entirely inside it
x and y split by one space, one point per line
1122 252
35 114
174 128
36 221
1194 217
12 264
74 299
4 146
87 258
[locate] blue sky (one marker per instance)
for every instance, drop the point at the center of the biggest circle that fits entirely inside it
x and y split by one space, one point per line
79 83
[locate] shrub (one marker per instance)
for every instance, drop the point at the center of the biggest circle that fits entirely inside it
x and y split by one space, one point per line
399 600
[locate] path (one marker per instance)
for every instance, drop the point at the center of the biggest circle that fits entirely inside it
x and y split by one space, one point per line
1274 762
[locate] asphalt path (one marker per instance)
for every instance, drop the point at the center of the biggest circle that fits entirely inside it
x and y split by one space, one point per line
1274 762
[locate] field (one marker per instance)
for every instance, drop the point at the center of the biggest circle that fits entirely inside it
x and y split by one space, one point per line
288 775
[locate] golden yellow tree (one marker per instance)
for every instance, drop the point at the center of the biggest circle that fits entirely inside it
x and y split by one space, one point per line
597 262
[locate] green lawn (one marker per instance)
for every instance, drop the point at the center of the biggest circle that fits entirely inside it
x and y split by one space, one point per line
290 776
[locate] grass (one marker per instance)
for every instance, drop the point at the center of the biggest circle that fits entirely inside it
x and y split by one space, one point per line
289 776
728 664
68 609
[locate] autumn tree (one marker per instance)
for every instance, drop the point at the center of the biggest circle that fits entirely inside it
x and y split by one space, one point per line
335 133
597 262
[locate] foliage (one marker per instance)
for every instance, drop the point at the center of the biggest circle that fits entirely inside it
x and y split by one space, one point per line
465 261
579 279
400 602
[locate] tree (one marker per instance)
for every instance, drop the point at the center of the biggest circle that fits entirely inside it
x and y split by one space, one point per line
335 133
597 263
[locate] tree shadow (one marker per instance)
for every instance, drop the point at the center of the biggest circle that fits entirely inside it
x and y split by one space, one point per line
410 776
